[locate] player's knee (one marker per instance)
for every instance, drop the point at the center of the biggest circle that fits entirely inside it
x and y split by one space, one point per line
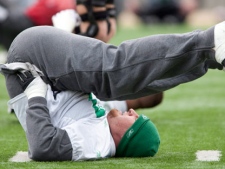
102 33
31 36
29 41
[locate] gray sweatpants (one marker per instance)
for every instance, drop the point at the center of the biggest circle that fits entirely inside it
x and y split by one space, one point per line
135 68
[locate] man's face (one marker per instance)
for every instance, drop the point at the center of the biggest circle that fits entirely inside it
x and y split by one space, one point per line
120 122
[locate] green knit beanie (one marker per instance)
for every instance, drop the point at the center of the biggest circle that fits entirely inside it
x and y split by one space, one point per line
140 140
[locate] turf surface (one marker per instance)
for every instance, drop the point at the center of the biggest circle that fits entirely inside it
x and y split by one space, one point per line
191 118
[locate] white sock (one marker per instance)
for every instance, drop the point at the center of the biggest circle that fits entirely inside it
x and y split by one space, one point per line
3 13
219 38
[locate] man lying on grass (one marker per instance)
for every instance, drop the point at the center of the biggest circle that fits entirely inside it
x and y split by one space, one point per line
78 68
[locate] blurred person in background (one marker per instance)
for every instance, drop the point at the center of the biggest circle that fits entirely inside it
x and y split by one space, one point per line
15 18
161 11
98 17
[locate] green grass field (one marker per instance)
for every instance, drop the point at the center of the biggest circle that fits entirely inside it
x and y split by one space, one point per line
191 118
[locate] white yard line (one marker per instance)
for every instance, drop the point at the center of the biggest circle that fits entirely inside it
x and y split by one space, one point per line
20 156
201 155
208 155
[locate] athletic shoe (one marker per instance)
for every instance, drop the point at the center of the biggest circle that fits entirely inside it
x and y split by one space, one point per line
25 71
14 68
219 38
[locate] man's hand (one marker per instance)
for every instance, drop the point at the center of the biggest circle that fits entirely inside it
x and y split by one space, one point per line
36 88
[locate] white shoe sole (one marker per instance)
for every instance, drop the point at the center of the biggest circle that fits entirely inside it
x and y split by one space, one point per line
219 39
